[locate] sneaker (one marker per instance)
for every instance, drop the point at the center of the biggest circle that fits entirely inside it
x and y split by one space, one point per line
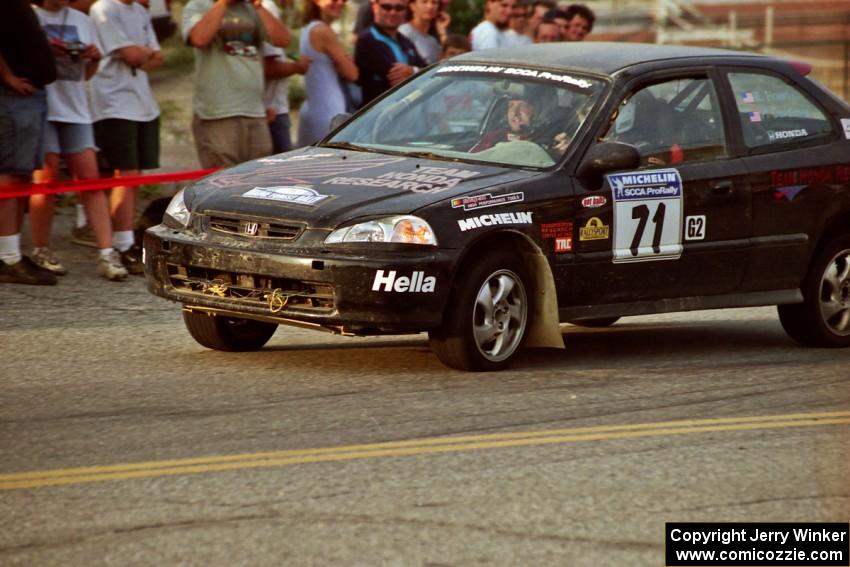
110 268
45 259
83 236
26 272
132 260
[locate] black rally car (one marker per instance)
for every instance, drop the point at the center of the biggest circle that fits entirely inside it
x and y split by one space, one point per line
503 192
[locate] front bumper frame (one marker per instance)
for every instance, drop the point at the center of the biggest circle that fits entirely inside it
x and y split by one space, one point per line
329 289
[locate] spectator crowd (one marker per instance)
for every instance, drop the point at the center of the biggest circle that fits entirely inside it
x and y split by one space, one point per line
75 96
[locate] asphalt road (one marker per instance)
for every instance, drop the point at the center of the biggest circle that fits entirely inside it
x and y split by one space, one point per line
122 442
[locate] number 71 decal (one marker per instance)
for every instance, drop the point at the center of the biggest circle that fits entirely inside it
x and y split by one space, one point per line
647 215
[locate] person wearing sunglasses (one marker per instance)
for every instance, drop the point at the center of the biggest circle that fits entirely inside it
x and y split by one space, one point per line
384 56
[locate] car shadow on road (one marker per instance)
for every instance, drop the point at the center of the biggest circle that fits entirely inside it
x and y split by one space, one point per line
630 344
622 345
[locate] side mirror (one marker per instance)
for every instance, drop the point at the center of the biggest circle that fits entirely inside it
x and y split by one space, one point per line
339 120
606 157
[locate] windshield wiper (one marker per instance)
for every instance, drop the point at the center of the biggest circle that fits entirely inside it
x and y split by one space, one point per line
347 146
429 155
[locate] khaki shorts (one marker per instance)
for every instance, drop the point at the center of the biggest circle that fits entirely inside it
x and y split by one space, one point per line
229 141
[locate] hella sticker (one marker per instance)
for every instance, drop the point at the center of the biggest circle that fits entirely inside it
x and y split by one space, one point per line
418 282
594 201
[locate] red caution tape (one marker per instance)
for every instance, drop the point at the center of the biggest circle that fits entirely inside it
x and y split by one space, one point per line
12 191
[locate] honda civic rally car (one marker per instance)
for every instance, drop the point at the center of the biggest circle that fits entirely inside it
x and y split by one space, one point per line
501 193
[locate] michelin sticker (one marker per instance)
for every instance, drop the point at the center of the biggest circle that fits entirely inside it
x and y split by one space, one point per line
494 219
287 194
845 123
647 215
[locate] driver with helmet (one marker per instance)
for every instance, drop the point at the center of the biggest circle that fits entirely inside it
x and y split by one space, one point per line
524 112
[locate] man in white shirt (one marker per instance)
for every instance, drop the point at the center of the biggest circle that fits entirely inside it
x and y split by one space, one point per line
125 112
490 32
515 35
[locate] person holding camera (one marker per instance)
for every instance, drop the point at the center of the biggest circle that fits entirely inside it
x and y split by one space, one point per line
229 123
69 134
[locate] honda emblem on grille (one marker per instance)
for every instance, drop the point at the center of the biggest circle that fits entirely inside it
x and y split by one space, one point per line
250 228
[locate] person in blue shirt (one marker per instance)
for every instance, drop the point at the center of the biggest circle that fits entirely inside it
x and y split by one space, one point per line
383 55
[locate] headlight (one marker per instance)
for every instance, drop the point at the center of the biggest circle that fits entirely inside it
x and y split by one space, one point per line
403 229
177 215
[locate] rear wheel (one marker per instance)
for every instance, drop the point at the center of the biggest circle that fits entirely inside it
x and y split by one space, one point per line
595 323
486 317
228 333
823 319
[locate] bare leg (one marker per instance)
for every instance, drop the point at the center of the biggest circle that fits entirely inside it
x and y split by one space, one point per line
122 203
42 206
9 215
83 165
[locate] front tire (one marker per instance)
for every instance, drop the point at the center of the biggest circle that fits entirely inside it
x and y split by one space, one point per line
227 333
486 317
823 319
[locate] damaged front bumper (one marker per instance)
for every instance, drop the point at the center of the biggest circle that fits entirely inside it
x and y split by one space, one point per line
345 291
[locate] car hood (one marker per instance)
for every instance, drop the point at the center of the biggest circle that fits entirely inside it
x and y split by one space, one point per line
325 187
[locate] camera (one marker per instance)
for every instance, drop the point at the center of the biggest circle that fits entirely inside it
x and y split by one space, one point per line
75 49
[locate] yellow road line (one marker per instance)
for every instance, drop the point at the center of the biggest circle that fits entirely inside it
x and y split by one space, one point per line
411 448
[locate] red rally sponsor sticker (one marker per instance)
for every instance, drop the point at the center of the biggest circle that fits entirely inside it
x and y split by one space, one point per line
561 233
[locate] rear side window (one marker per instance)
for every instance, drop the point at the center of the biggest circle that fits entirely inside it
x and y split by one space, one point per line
671 122
773 112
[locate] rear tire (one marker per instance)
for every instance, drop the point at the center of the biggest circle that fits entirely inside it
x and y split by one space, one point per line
597 323
228 333
823 319
486 317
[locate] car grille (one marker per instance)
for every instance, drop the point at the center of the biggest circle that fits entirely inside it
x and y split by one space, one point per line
254 228
279 296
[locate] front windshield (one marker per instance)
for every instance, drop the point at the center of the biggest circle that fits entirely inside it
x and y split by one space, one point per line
472 112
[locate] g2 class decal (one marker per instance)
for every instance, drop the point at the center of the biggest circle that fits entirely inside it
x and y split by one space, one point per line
695 227
418 282
647 215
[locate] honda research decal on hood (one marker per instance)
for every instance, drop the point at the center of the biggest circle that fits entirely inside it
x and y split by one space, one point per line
418 282
298 169
287 194
494 219
423 180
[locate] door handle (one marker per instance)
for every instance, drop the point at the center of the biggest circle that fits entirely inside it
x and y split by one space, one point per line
722 189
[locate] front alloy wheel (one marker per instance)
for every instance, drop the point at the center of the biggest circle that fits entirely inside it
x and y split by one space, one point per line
486 317
499 316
